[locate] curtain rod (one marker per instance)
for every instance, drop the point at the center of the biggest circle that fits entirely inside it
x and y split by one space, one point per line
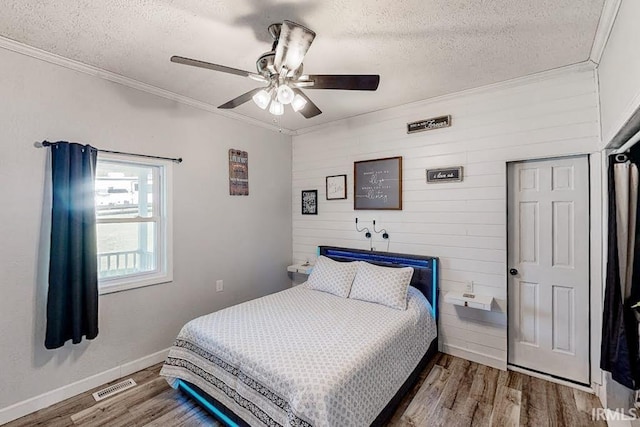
630 143
176 160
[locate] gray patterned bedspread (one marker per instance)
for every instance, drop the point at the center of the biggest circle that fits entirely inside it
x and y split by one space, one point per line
302 357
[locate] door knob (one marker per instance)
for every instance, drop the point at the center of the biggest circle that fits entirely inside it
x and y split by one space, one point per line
513 271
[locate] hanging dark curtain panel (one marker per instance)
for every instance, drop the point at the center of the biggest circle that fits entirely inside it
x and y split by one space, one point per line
620 354
72 300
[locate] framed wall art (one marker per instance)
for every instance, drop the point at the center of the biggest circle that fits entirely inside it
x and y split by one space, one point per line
336 187
377 184
309 202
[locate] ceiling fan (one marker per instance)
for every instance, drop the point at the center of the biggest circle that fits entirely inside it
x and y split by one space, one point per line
281 70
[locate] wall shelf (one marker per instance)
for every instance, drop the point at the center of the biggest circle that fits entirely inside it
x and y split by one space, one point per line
467 299
300 268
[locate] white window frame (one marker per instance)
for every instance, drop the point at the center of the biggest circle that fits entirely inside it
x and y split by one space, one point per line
164 229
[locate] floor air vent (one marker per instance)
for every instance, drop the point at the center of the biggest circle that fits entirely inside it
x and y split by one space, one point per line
114 389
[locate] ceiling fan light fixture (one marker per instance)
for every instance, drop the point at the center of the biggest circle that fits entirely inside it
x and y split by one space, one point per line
282 74
262 99
285 94
276 108
298 103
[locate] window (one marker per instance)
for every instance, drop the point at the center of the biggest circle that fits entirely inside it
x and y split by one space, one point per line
133 226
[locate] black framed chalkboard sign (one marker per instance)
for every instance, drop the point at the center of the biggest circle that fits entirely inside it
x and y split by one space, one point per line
377 184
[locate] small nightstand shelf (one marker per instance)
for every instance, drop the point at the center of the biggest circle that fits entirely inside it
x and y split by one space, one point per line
480 302
300 268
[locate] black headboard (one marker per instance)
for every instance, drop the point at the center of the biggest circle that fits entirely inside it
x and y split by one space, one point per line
425 268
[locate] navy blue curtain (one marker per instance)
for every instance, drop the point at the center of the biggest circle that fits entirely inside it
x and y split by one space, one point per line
72 300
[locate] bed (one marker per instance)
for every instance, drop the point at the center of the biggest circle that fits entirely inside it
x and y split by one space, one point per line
303 357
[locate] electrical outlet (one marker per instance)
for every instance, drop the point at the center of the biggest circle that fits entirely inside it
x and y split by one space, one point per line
219 286
469 286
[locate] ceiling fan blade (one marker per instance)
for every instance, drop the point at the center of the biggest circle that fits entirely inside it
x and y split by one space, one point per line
216 67
343 81
310 109
293 44
236 102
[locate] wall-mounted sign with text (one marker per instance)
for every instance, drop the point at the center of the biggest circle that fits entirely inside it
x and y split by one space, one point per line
238 173
429 124
444 175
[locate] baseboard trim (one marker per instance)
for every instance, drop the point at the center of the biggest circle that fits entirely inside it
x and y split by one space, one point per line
473 356
52 397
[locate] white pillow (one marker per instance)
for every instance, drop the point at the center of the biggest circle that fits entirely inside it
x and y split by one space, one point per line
382 285
332 276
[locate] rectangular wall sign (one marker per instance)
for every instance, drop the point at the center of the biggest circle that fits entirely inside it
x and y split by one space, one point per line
445 174
429 124
238 173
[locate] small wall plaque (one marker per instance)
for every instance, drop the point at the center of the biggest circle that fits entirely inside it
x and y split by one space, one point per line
429 124
445 174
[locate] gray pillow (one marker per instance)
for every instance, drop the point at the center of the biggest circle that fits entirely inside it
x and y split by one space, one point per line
382 285
332 276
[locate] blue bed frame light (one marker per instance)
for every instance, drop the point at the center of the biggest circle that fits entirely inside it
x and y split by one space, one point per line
185 388
425 275
427 283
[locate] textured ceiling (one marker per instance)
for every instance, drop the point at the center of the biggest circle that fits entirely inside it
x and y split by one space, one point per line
420 48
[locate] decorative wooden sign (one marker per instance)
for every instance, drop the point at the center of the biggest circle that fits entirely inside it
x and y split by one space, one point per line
445 174
238 173
429 124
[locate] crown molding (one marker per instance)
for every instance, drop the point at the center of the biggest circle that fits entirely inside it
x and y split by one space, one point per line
518 81
605 25
21 48
71 64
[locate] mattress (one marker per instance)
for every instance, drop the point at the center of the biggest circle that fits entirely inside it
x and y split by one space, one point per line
302 357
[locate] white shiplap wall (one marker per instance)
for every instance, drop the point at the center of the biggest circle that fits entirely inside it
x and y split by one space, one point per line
551 114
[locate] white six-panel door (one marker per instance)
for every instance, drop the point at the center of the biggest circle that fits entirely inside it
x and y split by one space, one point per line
548 262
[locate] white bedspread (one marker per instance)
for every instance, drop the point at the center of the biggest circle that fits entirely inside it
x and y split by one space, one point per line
302 357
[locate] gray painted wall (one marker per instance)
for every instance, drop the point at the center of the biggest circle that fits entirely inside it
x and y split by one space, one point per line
246 241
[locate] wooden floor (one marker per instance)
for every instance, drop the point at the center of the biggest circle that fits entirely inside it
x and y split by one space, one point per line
451 392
